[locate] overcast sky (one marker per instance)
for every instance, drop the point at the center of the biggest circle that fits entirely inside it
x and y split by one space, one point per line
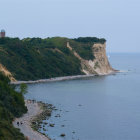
116 20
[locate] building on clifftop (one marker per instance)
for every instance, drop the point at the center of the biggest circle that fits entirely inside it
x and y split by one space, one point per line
2 33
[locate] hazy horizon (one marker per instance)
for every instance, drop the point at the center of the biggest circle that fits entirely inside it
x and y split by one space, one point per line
116 21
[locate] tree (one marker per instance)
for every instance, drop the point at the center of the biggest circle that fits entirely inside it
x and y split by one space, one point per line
23 88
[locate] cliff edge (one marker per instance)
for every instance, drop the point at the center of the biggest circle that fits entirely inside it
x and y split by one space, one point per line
99 65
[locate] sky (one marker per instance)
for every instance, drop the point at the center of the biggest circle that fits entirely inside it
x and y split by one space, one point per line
118 21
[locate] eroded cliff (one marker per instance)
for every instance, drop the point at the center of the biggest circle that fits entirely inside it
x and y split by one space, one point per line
99 65
7 73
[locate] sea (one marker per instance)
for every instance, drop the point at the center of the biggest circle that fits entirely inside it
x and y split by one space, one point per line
95 108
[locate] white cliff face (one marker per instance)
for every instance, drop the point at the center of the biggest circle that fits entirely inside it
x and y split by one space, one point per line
100 65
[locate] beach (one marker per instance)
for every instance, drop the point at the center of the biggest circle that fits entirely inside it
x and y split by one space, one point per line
55 79
34 109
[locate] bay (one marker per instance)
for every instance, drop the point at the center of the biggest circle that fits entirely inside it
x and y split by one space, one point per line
96 108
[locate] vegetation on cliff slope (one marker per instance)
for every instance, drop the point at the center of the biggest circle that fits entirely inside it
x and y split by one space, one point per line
83 46
36 58
11 106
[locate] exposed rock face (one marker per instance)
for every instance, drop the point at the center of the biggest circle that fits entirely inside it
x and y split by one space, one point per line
87 68
100 65
7 73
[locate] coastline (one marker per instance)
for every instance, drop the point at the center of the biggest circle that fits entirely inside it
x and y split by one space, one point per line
55 79
38 111
35 111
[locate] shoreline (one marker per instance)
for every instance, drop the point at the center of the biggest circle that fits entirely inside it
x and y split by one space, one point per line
55 79
32 121
28 121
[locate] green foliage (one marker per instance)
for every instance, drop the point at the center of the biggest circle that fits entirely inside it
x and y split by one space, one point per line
11 105
36 58
8 132
83 49
83 46
23 88
90 40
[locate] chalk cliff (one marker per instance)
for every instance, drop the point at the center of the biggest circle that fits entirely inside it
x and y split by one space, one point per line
99 65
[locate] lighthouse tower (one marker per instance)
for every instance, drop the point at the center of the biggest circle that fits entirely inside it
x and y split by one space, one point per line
2 33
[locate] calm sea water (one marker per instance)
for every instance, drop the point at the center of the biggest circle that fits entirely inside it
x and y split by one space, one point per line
97 108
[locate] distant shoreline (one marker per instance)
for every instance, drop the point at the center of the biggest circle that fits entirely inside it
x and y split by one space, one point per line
55 79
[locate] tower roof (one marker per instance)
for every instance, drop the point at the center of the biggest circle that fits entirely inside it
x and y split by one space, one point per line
2 30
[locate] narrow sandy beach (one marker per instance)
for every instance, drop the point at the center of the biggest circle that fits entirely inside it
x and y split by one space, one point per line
54 79
33 110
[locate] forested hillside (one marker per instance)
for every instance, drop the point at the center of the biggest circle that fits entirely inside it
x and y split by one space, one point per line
11 106
36 58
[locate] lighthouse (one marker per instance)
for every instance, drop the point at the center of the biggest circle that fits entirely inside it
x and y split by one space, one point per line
2 33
